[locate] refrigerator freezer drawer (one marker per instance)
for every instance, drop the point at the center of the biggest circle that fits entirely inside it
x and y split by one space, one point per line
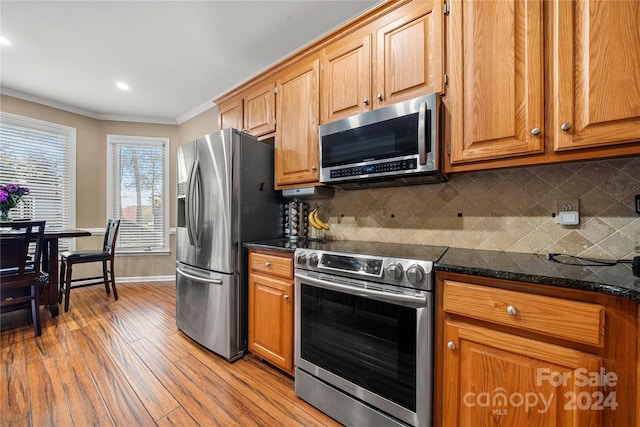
207 308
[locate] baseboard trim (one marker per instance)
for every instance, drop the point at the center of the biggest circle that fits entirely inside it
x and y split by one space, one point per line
145 279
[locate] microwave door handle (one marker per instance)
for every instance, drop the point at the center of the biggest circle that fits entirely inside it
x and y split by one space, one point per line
422 133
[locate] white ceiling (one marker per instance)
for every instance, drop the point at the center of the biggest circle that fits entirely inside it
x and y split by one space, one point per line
176 56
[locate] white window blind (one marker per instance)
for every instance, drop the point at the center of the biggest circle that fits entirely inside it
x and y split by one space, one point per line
138 169
40 156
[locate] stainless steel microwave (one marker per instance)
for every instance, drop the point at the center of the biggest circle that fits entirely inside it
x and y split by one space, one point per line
394 145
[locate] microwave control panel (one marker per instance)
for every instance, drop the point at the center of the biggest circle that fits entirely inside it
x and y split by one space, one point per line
397 165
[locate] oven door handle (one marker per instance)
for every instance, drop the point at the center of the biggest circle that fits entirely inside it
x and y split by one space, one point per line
420 300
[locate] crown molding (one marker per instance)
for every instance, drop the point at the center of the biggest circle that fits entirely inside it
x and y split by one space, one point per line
106 117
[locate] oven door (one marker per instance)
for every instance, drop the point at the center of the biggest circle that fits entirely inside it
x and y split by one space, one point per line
370 343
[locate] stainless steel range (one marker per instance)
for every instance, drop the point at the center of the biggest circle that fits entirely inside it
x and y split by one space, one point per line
364 331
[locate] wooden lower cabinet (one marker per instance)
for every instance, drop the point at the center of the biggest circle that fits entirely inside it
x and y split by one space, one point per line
271 300
496 378
504 355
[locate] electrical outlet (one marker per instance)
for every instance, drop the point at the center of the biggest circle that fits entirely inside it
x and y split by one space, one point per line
566 205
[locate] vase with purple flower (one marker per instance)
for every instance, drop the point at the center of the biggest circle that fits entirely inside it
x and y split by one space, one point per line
10 196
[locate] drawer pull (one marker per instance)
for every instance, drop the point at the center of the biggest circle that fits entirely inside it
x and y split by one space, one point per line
512 310
286 297
451 345
267 264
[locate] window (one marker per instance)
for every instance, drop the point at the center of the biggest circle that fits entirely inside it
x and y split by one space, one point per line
41 156
138 190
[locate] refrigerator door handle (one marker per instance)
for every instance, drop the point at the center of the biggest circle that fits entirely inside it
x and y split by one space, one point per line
198 278
191 189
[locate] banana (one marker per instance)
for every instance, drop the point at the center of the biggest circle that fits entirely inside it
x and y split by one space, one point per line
318 221
312 220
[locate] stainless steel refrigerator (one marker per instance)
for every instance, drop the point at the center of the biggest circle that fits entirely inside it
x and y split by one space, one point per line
225 197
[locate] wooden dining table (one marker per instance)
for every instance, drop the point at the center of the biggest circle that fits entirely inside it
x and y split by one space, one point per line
50 264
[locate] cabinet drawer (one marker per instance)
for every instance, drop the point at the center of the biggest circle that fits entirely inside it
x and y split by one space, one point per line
575 321
272 265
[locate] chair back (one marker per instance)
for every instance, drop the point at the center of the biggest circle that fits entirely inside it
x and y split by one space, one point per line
16 240
110 236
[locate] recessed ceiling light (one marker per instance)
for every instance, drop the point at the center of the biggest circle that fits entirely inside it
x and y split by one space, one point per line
122 86
4 41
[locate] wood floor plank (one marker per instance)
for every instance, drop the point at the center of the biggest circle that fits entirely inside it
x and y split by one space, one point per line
14 397
125 328
82 394
47 397
270 399
178 418
23 420
121 400
233 400
153 395
199 405
55 341
126 363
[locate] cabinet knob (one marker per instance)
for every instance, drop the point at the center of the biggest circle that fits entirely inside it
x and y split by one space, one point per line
565 126
512 310
313 167
379 96
451 345
366 101
535 131
286 297
267 264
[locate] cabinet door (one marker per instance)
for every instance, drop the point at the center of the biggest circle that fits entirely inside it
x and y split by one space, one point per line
494 378
296 144
231 114
495 91
596 73
409 53
260 110
271 320
346 77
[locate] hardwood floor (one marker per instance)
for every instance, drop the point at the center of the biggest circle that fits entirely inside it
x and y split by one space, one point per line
124 362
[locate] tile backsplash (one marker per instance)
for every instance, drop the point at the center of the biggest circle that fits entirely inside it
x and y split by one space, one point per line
507 209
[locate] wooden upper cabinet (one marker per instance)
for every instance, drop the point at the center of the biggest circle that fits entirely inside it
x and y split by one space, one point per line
595 73
496 86
231 114
298 112
346 77
260 110
396 58
409 53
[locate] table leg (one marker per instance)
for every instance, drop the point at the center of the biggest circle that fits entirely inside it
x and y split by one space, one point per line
50 265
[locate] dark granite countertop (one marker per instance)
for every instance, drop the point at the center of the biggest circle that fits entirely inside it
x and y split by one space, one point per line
617 280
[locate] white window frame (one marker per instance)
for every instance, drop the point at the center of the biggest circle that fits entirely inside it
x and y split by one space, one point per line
70 133
112 142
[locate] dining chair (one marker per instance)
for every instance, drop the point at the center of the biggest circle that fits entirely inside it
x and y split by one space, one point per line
21 246
107 254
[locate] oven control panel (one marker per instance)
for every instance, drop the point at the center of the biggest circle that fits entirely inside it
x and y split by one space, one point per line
397 271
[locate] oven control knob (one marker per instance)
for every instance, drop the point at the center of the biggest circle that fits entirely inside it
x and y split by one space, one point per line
301 259
415 274
394 271
313 260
